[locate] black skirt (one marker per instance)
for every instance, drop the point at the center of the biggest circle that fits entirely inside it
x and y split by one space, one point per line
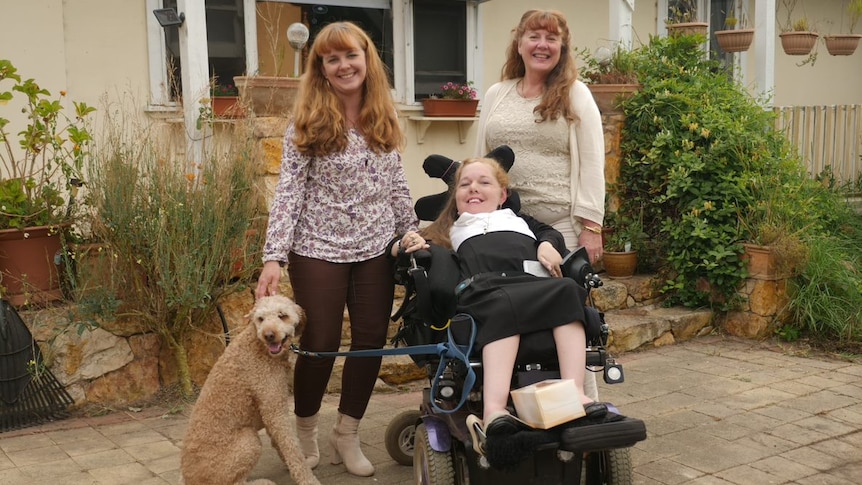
512 303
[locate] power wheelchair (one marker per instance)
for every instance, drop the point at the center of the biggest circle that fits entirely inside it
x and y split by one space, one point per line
435 439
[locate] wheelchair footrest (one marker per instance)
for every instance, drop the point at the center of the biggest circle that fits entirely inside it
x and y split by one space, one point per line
621 433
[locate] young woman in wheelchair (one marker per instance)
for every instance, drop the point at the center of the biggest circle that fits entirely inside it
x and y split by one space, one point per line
505 296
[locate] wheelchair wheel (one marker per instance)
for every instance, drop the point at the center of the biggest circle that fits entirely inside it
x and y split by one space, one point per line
400 437
430 467
609 467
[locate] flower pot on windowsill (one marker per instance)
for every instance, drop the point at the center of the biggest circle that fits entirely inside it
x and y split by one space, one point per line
842 44
450 107
734 40
798 43
688 28
268 95
227 107
609 96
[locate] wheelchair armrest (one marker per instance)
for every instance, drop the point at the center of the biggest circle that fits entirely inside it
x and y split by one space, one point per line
576 265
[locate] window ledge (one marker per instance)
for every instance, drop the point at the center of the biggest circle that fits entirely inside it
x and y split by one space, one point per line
424 122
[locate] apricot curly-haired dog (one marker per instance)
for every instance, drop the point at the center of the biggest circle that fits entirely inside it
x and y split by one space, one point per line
247 390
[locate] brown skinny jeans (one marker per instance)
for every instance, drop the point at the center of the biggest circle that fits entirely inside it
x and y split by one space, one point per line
322 289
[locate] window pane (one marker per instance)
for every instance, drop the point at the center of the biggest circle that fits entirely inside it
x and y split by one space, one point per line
440 44
376 22
225 43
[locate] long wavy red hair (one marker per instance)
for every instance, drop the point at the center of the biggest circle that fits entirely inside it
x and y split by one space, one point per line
555 102
321 126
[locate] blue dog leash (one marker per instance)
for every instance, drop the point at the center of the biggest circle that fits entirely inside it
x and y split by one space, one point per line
447 351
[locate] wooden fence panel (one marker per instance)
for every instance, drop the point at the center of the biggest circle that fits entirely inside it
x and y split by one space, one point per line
827 137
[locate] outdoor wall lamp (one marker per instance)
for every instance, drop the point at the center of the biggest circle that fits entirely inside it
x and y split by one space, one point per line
168 17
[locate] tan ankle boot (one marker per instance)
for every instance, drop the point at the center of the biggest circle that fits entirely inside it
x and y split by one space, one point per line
345 447
306 431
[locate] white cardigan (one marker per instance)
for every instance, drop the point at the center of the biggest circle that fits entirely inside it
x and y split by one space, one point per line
586 143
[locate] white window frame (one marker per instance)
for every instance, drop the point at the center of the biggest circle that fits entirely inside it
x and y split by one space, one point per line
402 32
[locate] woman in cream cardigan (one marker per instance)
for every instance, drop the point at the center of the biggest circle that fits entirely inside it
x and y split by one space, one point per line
552 123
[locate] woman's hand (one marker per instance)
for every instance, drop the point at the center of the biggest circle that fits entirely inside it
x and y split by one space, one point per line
550 258
410 243
267 283
593 244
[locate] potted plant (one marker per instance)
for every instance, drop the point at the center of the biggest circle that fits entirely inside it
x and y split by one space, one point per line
41 170
622 240
734 39
611 76
846 44
682 19
797 36
456 99
272 90
225 101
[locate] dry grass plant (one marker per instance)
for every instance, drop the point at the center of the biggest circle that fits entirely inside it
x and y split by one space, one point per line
178 232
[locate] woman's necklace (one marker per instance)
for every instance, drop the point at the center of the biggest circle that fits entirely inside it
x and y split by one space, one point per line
522 93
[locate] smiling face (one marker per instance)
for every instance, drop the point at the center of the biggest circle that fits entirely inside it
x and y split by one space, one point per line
480 187
345 70
540 50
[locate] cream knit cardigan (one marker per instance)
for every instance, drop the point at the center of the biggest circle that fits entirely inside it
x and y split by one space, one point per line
586 149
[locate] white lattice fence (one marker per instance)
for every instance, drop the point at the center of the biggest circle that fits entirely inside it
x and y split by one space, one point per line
827 136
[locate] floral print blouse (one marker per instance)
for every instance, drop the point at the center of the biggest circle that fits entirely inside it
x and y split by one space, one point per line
344 207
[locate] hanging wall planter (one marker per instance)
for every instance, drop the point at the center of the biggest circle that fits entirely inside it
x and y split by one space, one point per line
687 28
734 40
798 43
842 44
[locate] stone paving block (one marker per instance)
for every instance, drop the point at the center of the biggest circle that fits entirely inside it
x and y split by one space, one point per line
798 434
815 456
87 446
140 437
786 470
747 475
34 456
104 459
165 464
25 442
152 451
669 472
124 474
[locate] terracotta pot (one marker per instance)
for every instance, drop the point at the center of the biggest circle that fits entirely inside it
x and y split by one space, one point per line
688 28
734 40
450 107
798 43
268 95
227 107
29 260
609 96
761 262
620 265
842 45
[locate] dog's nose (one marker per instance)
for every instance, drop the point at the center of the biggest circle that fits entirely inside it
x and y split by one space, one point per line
269 336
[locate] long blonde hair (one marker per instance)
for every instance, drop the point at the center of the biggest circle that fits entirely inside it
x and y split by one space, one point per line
556 101
438 231
321 126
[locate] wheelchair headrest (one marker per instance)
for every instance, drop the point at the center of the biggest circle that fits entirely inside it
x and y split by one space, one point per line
444 168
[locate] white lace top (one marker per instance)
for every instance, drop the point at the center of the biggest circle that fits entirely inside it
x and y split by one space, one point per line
541 173
542 169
